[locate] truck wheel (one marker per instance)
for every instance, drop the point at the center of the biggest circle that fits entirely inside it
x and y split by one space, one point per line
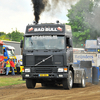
83 81
30 83
68 82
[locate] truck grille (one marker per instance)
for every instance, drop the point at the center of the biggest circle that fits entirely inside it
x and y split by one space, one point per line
39 59
29 60
43 70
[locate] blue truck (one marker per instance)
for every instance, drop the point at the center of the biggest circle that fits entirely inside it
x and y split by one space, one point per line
9 52
92 45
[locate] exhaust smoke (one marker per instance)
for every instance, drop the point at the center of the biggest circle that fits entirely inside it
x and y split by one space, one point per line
50 6
38 6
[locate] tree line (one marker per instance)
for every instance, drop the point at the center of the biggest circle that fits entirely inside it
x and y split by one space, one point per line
13 36
84 18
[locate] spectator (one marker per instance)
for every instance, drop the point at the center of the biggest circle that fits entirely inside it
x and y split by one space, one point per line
67 47
7 66
18 67
12 66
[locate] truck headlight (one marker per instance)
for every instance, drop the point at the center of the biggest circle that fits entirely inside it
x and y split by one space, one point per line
27 70
60 69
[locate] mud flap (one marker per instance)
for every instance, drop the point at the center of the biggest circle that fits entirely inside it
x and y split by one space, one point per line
87 66
78 73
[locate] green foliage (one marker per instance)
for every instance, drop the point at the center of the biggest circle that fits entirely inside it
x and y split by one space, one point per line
80 20
16 36
9 35
4 37
13 36
2 33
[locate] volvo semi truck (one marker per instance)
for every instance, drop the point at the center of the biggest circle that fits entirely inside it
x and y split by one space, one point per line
48 56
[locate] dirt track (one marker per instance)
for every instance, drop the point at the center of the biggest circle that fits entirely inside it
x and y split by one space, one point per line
20 92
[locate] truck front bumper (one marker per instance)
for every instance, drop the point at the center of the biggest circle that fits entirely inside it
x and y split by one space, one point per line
44 75
45 72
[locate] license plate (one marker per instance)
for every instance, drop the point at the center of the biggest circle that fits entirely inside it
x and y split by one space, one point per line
43 75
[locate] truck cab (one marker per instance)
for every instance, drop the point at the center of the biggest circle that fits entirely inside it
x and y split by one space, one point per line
48 55
9 52
92 45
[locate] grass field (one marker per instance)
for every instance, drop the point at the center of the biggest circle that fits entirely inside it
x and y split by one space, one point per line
6 81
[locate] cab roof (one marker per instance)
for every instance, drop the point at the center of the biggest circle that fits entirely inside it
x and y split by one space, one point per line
48 29
8 47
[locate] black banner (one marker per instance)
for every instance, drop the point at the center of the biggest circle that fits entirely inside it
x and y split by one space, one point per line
45 29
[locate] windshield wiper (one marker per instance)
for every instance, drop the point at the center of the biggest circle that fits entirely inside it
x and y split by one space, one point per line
56 48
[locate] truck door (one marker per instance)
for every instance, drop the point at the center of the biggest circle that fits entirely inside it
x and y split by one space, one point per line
69 51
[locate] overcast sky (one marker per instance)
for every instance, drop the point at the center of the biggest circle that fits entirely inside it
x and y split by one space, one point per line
18 13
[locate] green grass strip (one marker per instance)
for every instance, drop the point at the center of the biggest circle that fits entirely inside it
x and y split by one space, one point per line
10 81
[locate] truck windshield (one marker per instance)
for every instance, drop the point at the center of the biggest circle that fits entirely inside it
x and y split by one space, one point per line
44 42
91 44
10 52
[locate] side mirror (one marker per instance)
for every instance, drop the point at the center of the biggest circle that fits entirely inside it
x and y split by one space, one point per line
21 44
70 42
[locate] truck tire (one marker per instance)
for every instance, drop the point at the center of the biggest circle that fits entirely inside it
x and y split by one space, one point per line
68 82
83 81
30 83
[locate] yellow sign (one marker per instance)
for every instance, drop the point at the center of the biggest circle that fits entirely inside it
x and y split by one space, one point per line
43 75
